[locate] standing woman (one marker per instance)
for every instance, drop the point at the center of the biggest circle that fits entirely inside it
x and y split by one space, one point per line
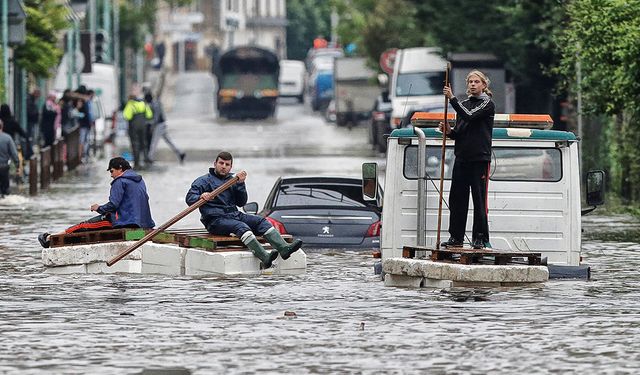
472 134
50 121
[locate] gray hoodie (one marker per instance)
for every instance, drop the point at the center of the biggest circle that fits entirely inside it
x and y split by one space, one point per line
7 149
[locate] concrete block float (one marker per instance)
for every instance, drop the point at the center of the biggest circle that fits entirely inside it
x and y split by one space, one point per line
404 272
164 259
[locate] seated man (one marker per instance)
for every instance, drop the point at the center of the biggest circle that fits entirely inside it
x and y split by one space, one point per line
128 205
220 215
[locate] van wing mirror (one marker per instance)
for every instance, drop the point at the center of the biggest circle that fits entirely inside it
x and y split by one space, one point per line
595 190
250 208
370 181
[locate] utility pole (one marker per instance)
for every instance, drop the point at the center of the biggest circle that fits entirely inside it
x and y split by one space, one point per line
5 49
106 26
91 16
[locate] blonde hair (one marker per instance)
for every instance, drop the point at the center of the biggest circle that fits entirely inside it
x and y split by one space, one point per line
484 80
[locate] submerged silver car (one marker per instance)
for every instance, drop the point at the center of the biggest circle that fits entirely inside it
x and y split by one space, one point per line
325 212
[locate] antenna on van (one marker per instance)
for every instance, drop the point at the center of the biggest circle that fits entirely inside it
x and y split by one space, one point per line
404 110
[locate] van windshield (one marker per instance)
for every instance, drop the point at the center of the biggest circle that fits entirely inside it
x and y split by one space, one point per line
420 84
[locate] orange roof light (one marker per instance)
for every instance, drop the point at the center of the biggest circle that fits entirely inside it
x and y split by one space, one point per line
529 121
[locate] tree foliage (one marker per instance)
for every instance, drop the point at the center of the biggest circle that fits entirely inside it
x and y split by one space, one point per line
135 22
601 37
41 53
307 20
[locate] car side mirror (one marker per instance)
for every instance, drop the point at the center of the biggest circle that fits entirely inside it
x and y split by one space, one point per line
250 208
595 188
369 181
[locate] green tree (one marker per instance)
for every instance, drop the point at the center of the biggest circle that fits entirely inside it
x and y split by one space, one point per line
40 52
307 20
601 37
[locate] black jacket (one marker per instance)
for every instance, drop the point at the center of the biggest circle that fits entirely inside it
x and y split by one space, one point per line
474 128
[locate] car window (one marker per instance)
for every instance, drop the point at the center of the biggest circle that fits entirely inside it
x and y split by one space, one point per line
308 194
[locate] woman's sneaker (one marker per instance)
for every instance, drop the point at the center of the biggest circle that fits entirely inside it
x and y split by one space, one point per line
451 242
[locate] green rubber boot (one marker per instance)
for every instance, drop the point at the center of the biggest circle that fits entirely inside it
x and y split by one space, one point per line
266 257
285 249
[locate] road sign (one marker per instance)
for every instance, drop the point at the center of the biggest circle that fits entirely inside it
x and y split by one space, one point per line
387 59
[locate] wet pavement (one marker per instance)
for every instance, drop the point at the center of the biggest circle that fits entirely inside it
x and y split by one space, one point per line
345 320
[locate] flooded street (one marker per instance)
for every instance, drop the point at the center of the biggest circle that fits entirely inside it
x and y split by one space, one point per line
345 320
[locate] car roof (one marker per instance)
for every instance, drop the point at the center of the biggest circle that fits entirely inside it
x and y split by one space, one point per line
321 179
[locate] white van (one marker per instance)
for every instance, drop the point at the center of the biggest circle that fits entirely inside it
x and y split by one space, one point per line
416 83
534 196
291 79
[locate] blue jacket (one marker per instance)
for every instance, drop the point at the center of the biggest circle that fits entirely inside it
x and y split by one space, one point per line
226 202
128 201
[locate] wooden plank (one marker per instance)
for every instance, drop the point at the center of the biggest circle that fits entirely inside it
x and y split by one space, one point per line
473 256
88 237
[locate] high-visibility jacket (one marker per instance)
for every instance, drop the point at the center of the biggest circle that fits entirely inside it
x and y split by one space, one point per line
137 106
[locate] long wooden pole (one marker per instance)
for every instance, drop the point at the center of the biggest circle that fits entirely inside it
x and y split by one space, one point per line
172 221
442 158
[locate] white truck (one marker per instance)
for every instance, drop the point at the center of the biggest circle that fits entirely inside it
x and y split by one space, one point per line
534 190
354 90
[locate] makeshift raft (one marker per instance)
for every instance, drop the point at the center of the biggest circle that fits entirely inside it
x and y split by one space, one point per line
185 252
444 268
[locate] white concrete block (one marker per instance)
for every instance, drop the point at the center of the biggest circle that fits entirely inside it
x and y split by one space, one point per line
83 254
438 284
200 262
479 273
163 259
295 265
402 281
123 266
65 270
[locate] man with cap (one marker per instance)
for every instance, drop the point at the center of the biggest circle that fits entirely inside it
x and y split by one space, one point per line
128 205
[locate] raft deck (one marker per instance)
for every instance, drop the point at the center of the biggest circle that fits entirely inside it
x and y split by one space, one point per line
190 238
463 255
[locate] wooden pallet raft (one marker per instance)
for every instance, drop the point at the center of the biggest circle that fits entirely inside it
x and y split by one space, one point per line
212 242
97 236
474 256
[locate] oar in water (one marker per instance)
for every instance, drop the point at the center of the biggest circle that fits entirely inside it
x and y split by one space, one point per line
172 221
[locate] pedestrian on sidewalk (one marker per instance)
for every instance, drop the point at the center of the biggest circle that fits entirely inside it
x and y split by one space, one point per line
472 135
8 153
138 113
220 215
128 205
51 119
159 127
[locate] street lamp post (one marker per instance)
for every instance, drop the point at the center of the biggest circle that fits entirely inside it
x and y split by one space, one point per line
5 49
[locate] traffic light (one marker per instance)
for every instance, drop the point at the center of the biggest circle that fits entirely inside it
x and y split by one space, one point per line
100 47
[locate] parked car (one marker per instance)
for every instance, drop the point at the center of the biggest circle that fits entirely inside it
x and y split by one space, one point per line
380 123
325 212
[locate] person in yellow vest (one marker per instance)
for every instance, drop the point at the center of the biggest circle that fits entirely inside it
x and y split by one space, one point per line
138 113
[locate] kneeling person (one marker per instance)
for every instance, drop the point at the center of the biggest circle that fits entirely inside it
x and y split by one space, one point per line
128 205
220 215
